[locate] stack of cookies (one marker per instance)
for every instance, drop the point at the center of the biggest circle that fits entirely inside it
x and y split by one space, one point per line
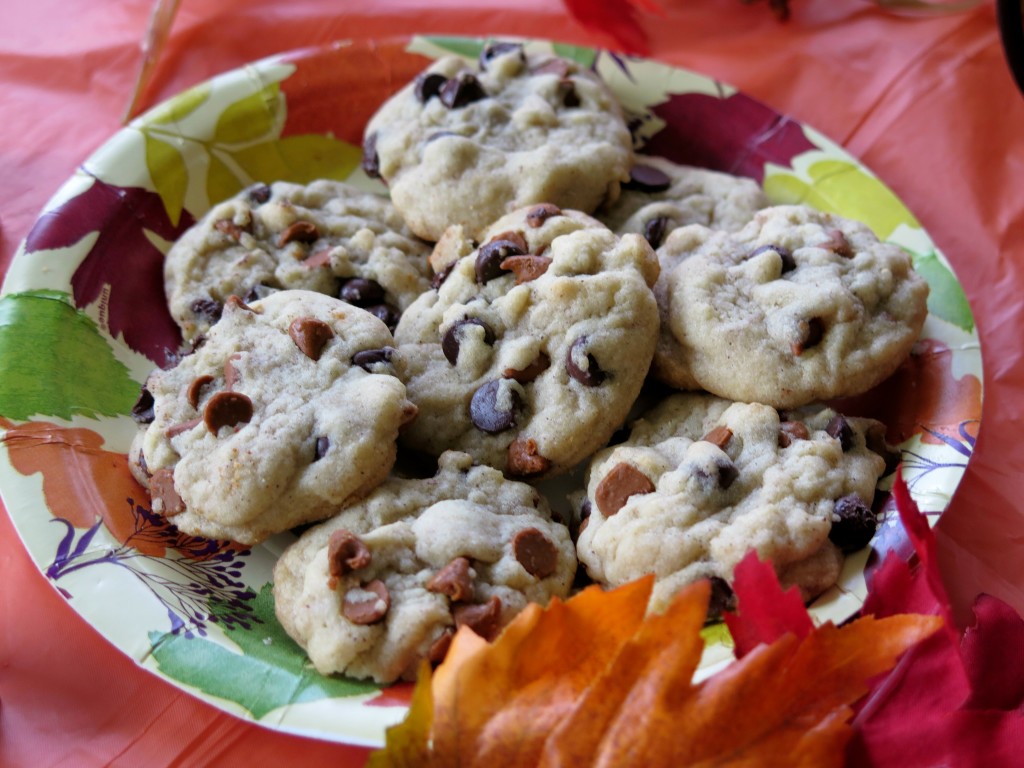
532 299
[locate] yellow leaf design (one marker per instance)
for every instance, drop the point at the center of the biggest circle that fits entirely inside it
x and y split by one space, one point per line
251 118
169 173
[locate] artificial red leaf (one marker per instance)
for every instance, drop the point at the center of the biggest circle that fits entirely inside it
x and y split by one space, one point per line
766 612
615 21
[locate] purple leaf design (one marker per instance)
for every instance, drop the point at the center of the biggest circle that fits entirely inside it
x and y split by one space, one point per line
122 258
735 134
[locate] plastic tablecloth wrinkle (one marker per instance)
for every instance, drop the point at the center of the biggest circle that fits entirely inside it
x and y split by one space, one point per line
927 103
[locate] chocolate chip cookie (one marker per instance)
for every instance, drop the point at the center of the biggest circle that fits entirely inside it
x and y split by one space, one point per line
287 411
534 346
467 144
384 585
701 480
326 236
796 307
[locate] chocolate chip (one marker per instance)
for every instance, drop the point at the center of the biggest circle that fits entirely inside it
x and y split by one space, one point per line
647 178
791 431
260 291
540 364
788 262
527 267
853 523
386 314
874 440
428 85
581 365
310 335
493 50
236 303
195 389
346 553
259 194
722 597
226 409
559 67
454 581
451 341
494 252
535 552
719 436
811 332
839 428
654 230
300 231
494 407
482 618
371 163
142 411
368 358
229 228
231 374
361 292
524 460
567 89
624 480
439 277
538 214
838 244
461 90
721 477
323 445
161 487
207 309
367 604
439 648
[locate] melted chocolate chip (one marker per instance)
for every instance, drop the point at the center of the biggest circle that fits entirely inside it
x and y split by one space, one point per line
260 291
493 50
624 480
494 407
195 389
386 314
226 409
527 267
428 85
722 597
811 333
483 618
853 523
367 604
720 436
791 431
371 163
259 194
310 335
439 277
838 244
535 552
538 214
721 477
647 178
439 648
161 487
654 230
451 342
788 262
567 90
208 309
453 581
581 365
461 90
540 364
323 445
142 411
229 228
368 358
346 553
493 253
839 428
524 460
362 292
301 231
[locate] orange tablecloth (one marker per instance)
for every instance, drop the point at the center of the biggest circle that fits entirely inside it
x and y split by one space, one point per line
927 103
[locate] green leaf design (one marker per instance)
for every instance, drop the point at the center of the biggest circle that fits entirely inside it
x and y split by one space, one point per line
169 173
583 56
56 362
250 118
946 298
841 187
179 107
460 46
271 672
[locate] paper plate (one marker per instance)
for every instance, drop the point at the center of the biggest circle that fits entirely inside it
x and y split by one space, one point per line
83 321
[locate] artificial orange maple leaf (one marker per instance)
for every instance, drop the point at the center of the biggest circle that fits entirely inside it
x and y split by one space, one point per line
591 681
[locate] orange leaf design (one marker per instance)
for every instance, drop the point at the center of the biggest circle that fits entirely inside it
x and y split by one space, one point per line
592 682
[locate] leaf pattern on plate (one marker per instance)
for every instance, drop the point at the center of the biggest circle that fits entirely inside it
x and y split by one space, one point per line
270 672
